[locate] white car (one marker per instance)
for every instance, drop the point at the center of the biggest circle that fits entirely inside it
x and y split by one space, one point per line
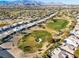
16 29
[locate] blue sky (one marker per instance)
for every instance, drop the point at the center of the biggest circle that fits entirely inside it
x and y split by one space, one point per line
56 1
8 0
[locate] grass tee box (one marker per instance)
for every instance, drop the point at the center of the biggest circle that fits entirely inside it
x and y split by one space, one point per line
34 41
57 24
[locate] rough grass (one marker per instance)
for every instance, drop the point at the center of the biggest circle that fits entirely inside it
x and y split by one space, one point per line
3 24
76 53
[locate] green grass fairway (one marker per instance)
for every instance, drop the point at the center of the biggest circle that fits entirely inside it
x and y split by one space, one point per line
32 42
57 24
41 34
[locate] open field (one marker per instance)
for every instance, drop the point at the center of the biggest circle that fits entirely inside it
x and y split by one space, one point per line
34 41
57 24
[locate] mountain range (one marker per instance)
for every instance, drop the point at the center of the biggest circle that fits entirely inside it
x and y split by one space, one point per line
25 3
